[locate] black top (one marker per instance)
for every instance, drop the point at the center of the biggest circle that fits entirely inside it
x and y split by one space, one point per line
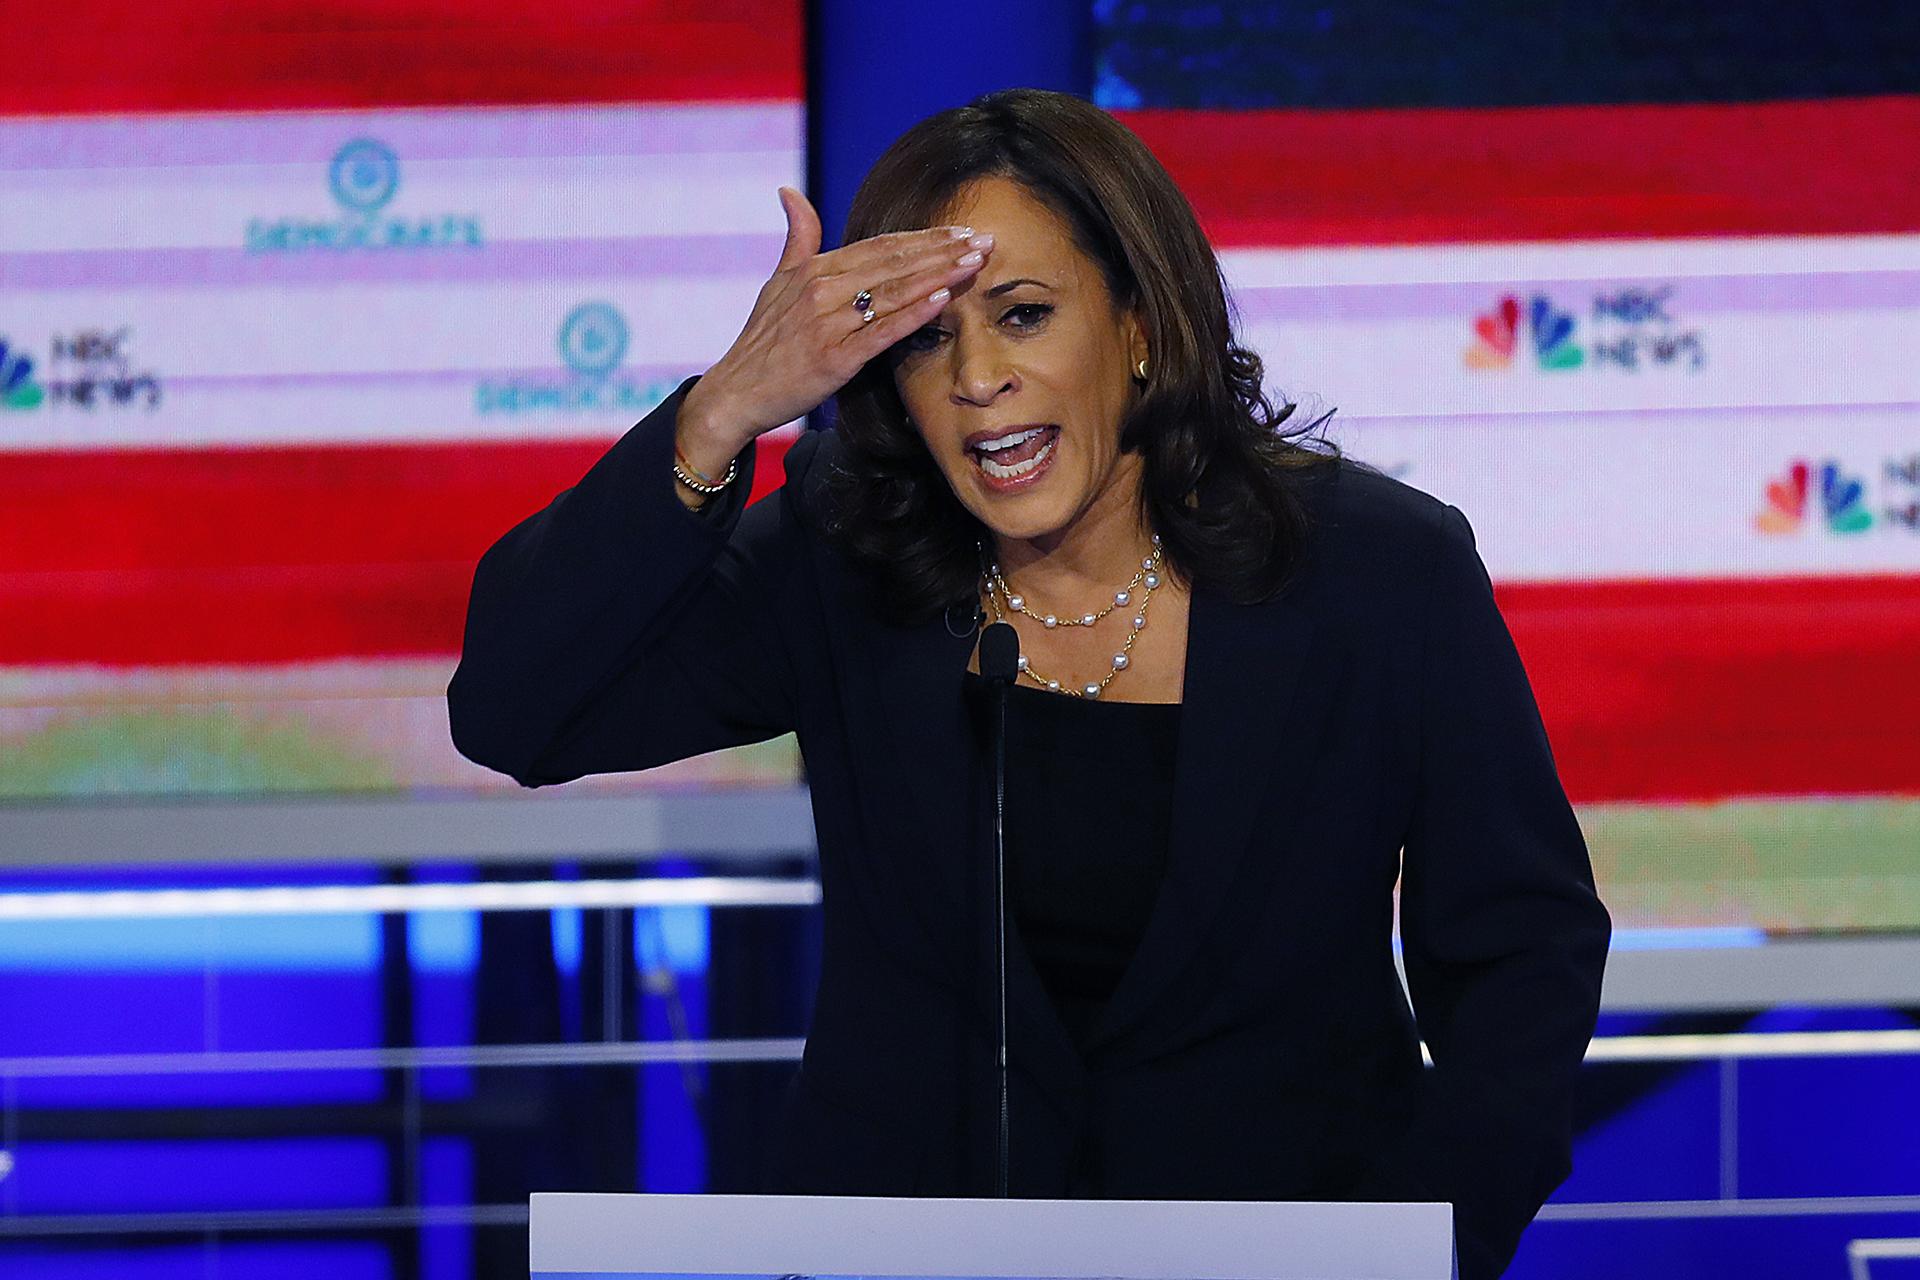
1089 814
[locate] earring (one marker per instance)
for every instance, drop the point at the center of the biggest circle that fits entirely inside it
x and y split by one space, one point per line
1140 370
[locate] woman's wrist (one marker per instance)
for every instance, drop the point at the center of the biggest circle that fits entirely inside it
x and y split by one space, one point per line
703 447
703 438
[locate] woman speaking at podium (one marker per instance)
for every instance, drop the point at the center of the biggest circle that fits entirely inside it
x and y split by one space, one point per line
1258 683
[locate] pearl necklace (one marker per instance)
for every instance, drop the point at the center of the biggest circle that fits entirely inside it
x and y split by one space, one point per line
1145 579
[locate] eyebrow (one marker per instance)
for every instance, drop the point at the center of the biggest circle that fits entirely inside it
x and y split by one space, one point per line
1005 285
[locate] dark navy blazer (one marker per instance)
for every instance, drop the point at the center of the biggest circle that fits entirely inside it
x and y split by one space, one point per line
1370 723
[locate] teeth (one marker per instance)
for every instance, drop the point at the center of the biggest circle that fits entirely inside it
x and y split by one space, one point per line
1009 442
999 472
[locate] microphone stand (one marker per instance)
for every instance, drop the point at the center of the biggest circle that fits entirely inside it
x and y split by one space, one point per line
1000 664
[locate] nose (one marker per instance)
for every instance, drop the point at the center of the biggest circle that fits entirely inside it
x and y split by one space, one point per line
980 370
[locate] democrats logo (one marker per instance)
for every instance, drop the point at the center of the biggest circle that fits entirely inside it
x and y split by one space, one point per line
18 390
364 175
364 178
1630 329
593 339
1831 498
592 342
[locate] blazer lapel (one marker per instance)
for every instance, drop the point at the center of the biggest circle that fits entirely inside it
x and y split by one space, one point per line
901 689
907 685
1244 740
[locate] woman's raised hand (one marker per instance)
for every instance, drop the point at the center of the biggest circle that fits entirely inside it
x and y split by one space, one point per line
804 340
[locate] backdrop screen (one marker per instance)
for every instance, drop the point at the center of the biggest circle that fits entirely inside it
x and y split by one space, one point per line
1639 291
301 305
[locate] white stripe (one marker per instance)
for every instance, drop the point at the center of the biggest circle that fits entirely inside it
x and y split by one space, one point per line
372 414
539 895
575 197
411 1058
1755 1044
511 197
1416 367
390 329
1661 495
1567 259
1783 1207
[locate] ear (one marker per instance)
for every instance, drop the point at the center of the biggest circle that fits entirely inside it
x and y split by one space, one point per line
1139 339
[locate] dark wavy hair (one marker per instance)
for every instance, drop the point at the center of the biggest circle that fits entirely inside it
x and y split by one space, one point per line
1221 482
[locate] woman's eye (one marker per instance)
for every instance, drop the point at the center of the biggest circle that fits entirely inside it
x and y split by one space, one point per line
1027 315
919 340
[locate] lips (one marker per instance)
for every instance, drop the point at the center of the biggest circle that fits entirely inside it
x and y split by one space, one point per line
997 434
1009 460
1011 446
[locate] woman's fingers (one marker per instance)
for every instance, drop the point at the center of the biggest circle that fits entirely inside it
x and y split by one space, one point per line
909 291
895 294
903 305
803 339
828 282
803 229
948 266
884 257
869 340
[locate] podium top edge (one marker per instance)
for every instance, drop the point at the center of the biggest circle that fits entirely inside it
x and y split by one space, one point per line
586 1234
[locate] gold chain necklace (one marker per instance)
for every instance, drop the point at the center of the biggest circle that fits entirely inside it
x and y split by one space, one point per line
1145 579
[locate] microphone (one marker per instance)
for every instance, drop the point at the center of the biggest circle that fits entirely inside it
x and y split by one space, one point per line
1000 665
1000 653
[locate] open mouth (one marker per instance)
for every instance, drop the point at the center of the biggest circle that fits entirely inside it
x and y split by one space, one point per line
1017 454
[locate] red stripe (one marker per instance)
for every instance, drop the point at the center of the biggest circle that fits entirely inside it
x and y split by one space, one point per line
1650 690
188 55
1706 689
160 557
1423 176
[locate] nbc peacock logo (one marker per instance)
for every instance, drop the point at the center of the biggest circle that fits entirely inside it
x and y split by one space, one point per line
18 390
1787 499
1549 333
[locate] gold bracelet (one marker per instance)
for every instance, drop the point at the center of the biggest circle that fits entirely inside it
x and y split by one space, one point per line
692 470
704 487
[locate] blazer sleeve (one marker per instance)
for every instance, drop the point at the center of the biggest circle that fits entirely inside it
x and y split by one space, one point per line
618 630
1503 935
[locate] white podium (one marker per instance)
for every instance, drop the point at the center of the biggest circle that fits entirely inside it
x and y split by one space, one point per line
635 1236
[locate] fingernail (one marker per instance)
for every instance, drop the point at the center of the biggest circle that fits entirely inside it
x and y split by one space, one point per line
971 260
982 241
939 295
961 233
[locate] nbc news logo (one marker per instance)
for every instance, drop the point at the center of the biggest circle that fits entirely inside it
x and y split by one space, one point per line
1830 498
18 390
